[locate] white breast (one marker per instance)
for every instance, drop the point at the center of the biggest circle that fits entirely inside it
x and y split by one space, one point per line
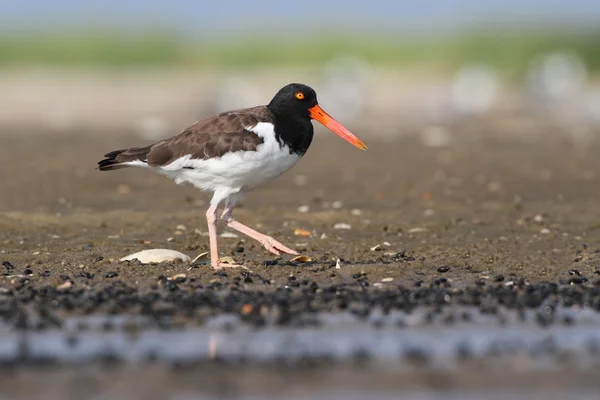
237 171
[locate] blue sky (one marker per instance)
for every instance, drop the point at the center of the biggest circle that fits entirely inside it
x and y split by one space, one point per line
225 17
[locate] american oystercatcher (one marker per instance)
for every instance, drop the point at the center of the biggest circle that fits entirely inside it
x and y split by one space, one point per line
235 151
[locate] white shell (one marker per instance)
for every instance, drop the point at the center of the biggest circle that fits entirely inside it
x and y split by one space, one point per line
156 256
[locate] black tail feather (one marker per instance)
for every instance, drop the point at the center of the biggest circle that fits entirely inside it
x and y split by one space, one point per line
119 158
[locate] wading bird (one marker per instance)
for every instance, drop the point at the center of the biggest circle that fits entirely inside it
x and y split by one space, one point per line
235 151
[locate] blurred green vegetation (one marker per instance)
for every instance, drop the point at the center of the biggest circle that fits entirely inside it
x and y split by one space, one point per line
510 52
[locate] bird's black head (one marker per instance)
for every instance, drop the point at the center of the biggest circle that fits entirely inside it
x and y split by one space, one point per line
295 100
296 104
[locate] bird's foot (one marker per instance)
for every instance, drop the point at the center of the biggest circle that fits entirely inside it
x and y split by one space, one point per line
275 247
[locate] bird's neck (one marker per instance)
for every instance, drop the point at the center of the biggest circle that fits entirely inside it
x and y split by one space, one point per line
294 132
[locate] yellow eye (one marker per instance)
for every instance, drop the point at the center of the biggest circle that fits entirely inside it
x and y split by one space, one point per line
300 96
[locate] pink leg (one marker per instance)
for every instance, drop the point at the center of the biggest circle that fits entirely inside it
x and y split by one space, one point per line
211 219
267 241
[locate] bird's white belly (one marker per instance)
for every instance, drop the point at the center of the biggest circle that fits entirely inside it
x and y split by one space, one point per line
240 170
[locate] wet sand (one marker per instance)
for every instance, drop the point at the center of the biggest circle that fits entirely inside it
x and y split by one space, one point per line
497 219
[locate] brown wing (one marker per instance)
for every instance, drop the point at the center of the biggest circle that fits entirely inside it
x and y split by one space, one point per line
212 137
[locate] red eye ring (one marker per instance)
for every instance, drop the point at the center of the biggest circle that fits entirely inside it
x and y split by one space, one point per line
300 96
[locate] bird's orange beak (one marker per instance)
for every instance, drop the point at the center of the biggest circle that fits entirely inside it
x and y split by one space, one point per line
318 114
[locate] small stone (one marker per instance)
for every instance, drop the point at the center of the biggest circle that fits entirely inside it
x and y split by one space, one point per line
114 236
443 269
417 230
181 227
342 225
337 264
538 218
545 231
230 235
429 212
178 278
387 280
7 265
337 205
377 247
170 239
65 285
356 211
301 232
303 209
111 274
178 233
323 235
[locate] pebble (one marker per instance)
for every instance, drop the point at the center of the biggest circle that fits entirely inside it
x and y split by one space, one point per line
228 234
301 232
65 285
178 278
156 256
377 247
303 209
181 227
545 231
443 269
342 225
356 212
417 230
7 265
387 280
337 205
337 264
